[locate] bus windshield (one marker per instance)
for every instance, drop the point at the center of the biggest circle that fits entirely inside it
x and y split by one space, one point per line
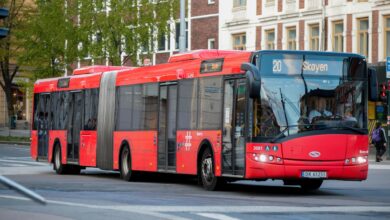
302 93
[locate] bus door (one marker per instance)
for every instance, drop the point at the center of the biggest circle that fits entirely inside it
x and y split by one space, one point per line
43 124
167 127
233 147
74 125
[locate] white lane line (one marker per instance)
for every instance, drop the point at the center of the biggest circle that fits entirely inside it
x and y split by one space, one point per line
24 162
27 170
100 207
221 209
15 158
379 166
216 216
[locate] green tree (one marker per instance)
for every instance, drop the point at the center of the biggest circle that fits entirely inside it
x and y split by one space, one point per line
50 42
10 47
123 27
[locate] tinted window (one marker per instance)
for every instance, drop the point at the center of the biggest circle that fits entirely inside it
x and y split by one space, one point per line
91 102
36 111
150 96
64 110
210 103
188 104
124 103
54 110
137 108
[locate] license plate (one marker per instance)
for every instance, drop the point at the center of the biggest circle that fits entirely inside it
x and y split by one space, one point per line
314 174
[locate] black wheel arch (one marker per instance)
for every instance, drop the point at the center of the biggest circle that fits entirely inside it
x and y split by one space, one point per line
56 141
125 144
202 147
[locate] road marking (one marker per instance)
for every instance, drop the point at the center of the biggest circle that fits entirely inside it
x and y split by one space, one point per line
156 210
100 207
27 170
24 162
379 167
216 216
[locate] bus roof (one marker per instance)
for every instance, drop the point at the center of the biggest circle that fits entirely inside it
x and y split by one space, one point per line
180 66
311 52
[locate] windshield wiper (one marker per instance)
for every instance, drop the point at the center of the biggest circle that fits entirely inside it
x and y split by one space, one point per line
357 130
281 134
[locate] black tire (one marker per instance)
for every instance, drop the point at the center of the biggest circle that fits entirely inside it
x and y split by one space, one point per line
125 164
73 169
57 164
206 171
311 185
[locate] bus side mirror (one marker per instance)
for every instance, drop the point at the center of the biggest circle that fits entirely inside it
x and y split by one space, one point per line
253 77
372 85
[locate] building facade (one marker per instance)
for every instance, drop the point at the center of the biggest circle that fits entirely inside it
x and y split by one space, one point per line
202 17
357 26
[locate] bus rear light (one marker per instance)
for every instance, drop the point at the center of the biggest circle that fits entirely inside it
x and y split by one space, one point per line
356 160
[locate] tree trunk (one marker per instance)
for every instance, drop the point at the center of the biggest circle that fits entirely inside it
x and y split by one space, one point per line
10 99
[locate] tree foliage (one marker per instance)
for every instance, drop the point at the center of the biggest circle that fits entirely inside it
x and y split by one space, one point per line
62 33
11 48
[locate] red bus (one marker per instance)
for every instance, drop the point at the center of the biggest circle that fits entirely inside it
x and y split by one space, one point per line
297 116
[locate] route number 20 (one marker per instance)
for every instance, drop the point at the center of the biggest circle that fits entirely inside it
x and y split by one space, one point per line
277 66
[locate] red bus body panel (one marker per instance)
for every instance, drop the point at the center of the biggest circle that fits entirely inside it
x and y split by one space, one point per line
87 148
333 149
53 136
188 143
34 144
143 148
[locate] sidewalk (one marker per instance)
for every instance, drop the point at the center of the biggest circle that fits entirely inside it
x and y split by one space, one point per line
4 131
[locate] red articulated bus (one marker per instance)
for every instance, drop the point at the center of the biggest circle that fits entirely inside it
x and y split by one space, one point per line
298 116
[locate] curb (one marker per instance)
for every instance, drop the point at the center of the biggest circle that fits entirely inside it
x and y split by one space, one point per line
15 143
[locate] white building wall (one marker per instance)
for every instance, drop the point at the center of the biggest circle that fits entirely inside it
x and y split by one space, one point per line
244 20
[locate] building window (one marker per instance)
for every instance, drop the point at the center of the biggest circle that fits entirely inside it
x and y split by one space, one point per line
211 43
270 39
211 2
239 41
269 2
291 38
363 36
337 39
315 37
387 36
239 3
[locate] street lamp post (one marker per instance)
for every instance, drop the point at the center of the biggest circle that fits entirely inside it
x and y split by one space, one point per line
182 38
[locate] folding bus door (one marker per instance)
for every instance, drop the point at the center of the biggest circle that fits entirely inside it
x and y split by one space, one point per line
43 124
233 147
167 128
74 125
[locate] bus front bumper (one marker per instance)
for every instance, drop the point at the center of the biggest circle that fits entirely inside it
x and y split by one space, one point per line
335 170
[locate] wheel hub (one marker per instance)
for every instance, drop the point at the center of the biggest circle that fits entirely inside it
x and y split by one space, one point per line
207 169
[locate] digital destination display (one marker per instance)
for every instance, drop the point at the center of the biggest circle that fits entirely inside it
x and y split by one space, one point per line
292 64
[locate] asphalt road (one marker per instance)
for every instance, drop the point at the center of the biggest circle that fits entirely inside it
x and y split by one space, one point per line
97 194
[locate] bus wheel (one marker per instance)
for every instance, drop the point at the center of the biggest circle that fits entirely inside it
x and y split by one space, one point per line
57 165
74 169
125 164
209 180
311 185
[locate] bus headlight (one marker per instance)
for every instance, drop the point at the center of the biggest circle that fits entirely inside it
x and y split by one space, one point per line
356 160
